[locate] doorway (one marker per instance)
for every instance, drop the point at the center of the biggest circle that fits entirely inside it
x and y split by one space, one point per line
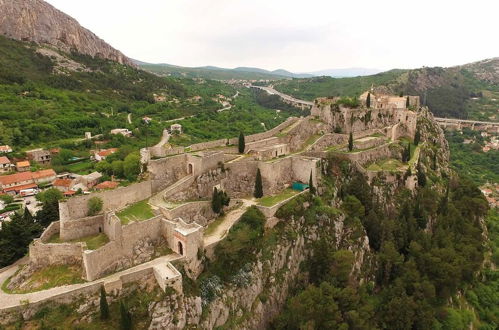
180 248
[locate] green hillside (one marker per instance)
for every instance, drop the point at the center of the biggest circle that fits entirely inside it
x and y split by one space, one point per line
469 91
39 106
209 72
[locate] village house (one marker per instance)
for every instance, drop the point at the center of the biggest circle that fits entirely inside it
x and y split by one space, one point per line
14 183
103 154
123 131
40 156
5 149
5 164
89 180
23 166
176 128
63 185
44 176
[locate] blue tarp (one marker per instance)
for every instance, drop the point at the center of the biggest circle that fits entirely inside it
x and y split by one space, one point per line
299 186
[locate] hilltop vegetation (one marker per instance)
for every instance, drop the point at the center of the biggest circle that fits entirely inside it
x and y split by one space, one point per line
40 106
469 91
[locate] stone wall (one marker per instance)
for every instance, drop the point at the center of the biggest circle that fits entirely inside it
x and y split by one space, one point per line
209 145
116 254
302 167
329 140
240 180
50 231
270 211
77 207
74 229
170 169
43 254
371 155
198 212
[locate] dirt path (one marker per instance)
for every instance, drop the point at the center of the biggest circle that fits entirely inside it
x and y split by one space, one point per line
230 219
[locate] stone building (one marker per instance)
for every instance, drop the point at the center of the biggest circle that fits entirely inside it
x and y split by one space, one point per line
40 156
5 164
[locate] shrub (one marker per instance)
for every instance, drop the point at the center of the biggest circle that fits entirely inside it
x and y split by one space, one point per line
94 206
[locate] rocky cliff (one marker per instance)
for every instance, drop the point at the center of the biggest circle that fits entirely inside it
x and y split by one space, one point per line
38 21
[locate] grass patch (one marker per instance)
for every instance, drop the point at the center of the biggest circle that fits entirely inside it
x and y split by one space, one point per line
83 167
93 242
389 164
137 212
214 225
273 200
50 277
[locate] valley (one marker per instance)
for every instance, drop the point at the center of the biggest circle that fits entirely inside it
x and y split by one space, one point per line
158 196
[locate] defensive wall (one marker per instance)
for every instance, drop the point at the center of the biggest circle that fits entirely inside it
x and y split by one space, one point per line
77 207
270 211
199 212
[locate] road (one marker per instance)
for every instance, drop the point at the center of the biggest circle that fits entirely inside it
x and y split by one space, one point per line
286 97
457 121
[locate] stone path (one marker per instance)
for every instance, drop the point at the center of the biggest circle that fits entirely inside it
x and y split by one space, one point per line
158 199
230 219
12 300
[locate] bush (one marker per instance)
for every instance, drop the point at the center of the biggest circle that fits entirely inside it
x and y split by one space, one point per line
94 206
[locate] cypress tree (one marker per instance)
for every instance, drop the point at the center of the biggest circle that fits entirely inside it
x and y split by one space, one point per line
258 185
242 144
311 184
350 142
216 204
368 100
417 137
407 102
104 307
421 176
126 318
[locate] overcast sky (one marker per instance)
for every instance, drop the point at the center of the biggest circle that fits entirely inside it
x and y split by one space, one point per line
299 36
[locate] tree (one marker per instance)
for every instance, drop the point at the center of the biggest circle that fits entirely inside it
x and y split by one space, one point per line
50 206
421 175
126 317
417 137
353 207
258 193
407 103
311 184
350 142
219 199
241 143
117 167
131 166
368 100
94 205
104 307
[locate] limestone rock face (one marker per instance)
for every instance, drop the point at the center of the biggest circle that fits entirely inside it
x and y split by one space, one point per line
38 21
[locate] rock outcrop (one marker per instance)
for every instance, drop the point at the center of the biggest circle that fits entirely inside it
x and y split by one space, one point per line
37 21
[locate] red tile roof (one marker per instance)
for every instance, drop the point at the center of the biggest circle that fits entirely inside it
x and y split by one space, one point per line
15 178
44 174
107 185
4 160
19 188
23 163
63 183
105 153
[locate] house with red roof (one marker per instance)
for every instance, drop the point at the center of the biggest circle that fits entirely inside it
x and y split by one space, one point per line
103 154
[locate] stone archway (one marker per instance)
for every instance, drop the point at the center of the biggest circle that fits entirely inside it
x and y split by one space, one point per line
180 248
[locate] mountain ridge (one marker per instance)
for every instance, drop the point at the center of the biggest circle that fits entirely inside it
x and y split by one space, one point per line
38 21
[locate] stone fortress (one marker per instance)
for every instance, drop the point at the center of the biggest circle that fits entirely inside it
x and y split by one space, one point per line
180 183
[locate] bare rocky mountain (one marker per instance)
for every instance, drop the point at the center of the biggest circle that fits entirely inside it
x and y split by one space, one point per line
38 21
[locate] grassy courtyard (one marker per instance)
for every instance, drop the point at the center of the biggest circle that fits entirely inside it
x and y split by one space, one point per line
139 211
389 164
49 277
273 200
93 242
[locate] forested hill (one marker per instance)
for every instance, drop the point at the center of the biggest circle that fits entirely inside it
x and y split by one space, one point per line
48 95
468 91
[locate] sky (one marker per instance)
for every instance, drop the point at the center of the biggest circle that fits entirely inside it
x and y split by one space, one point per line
300 36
